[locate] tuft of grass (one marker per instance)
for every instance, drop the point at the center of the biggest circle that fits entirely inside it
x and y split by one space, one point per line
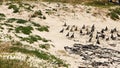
17 43
2 19
10 20
9 25
44 40
2 15
24 29
14 7
21 21
35 24
39 12
32 39
43 28
98 3
13 63
114 14
44 46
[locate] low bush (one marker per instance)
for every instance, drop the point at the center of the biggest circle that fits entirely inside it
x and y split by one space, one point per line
14 7
43 28
2 15
21 21
44 46
32 39
114 13
24 29
10 20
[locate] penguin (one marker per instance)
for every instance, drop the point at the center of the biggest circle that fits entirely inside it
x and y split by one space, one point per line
91 35
115 30
61 31
81 31
112 31
98 32
65 24
83 27
73 26
76 28
112 37
102 35
71 30
68 27
106 28
92 28
72 36
90 39
67 34
87 33
98 42
118 35
102 31
107 39
97 37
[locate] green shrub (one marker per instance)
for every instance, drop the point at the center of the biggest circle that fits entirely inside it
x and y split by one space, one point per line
32 39
10 20
25 29
114 13
21 21
35 24
117 10
2 19
114 16
39 13
44 40
98 3
43 28
17 43
14 7
9 25
2 15
44 46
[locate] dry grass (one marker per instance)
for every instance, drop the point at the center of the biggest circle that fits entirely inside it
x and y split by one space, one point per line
8 63
4 46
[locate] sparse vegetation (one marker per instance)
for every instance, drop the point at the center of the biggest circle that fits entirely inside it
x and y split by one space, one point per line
38 14
17 43
44 46
10 20
14 7
2 15
35 24
2 19
40 54
9 25
34 38
13 63
21 21
43 28
24 29
114 13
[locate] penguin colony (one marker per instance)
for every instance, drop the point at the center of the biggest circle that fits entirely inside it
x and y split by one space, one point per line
92 34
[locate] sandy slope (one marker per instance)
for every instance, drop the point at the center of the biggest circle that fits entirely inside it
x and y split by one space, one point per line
55 22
